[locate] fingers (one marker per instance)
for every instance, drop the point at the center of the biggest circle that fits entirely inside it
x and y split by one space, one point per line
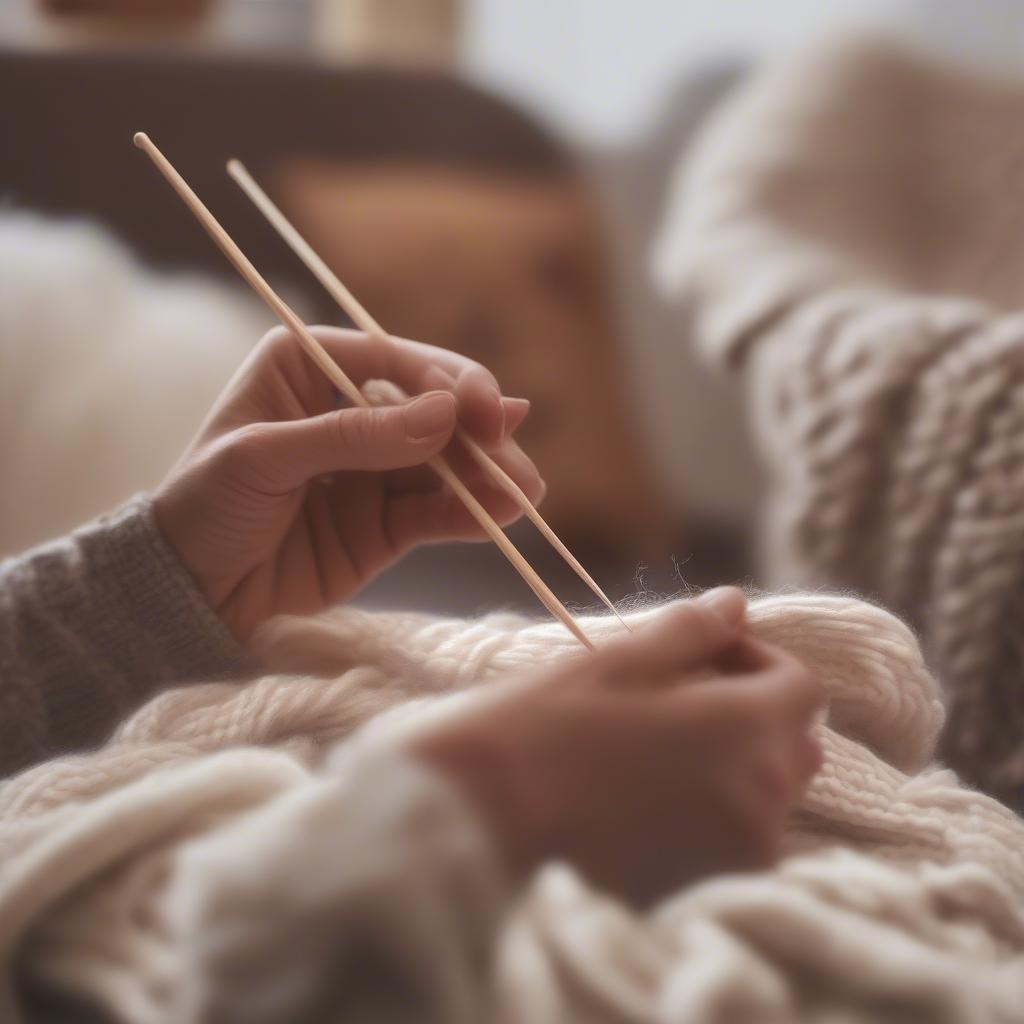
773 749
432 514
774 671
516 410
759 673
788 681
280 382
406 363
686 636
477 411
481 409
285 455
778 697
729 603
363 358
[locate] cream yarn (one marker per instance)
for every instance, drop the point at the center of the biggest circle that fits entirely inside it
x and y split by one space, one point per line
848 233
903 896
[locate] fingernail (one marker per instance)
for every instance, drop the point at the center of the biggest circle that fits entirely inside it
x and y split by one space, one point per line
429 415
518 406
729 603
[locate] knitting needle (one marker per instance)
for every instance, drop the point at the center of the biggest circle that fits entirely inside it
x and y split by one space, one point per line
340 379
366 323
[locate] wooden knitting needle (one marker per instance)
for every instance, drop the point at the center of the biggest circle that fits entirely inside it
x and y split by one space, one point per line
366 323
340 379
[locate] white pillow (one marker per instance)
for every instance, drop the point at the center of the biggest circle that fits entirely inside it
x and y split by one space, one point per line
106 371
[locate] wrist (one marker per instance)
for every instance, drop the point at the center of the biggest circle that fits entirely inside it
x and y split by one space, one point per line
175 516
158 590
486 768
175 523
169 519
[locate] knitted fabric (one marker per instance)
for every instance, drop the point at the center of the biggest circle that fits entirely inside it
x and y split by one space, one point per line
902 897
848 235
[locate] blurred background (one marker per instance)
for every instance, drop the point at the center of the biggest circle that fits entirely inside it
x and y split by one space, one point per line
486 175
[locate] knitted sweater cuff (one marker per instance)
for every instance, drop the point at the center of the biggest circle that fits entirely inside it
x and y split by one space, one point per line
140 578
93 624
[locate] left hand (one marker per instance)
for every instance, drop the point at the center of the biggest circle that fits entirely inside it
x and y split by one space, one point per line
669 754
286 504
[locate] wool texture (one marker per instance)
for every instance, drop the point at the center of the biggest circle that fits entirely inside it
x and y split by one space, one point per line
847 235
901 896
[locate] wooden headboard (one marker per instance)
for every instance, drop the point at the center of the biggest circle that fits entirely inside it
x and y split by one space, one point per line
67 122
457 218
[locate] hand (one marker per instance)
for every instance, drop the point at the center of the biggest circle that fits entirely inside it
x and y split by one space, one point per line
670 754
284 503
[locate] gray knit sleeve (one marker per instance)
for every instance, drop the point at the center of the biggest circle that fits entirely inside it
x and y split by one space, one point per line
93 624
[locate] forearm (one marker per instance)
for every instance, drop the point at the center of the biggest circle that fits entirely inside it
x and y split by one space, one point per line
90 626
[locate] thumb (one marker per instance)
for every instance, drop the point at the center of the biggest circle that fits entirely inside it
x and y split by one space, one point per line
382 438
688 635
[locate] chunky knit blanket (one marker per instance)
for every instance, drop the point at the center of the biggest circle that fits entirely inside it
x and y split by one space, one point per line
902 897
849 234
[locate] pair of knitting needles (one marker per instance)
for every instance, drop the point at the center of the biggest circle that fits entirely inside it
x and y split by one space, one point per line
362 319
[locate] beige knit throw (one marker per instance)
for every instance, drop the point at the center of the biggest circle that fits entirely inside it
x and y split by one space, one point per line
850 232
903 897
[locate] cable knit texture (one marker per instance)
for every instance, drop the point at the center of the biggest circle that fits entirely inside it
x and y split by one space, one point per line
848 235
190 869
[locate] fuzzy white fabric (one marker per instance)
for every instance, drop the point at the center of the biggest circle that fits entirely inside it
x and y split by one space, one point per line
847 235
107 371
902 897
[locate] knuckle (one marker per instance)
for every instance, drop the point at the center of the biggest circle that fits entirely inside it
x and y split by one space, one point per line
243 448
481 371
275 342
246 442
356 429
694 621
281 347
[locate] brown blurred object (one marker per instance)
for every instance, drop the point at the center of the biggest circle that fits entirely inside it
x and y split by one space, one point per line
509 271
165 11
452 215
388 31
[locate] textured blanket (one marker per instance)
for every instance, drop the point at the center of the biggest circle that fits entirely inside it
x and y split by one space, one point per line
849 234
902 897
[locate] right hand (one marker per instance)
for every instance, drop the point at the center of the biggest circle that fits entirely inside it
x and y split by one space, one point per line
670 754
286 504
